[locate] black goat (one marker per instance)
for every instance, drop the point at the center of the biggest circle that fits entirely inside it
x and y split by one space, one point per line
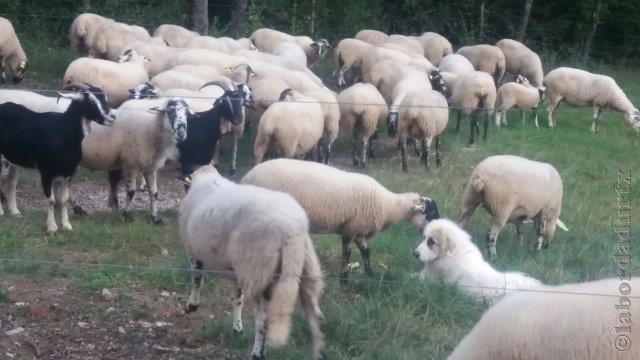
51 142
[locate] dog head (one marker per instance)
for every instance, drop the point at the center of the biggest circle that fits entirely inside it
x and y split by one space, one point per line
443 238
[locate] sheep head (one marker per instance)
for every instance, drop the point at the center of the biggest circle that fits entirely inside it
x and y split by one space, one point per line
321 47
175 113
437 81
18 73
392 122
634 120
93 100
144 91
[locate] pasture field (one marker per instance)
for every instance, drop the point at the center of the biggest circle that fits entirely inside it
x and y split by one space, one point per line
388 316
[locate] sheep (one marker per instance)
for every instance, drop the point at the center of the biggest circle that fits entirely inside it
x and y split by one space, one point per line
34 101
435 47
11 52
137 144
487 58
272 260
373 37
220 61
173 79
354 206
292 52
518 94
331 113
451 68
520 60
161 55
372 57
514 189
474 94
423 115
408 43
51 142
267 40
266 91
580 88
290 127
587 320
283 61
114 78
450 255
346 59
362 108
296 80
111 37
82 30
174 35
225 44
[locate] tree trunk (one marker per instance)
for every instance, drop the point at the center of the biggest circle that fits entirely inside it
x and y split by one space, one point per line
312 20
200 16
482 23
525 20
592 33
238 18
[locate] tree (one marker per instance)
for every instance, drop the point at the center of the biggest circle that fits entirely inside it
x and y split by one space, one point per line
592 32
525 20
238 18
200 16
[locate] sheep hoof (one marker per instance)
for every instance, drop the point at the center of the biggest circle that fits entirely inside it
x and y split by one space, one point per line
52 229
258 357
191 308
78 210
157 220
128 216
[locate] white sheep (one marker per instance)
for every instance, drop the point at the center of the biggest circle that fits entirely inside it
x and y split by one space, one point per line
283 61
262 235
435 47
296 80
520 60
138 143
225 44
216 59
372 57
353 205
450 255
173 79
410 44
514 189
114 78
290 127
474 94
423 115
346 59
11 52
111 37
590 320
160 55
268 39
362 108
266 91
82 30
174 35
331 113
519 94
580 88
373 37
451 68
487 58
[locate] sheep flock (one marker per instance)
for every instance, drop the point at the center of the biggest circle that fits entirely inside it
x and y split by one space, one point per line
135 102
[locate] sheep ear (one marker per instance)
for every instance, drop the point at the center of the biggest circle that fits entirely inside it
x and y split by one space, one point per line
72 96
155 110
228 69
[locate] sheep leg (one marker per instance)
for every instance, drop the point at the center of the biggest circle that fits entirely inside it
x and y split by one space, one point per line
3 75
438 161
354 153
458 119
474 122
152 185
326 151
64 203
416 147
196 285
426 145
497 223
115 176
142 183
237 311
261 329
470 201
498 117
370 154
309 294
12 182
234 155
47 182
131 192
346 255
551 111
403 152
520 231
535 119
364 252
486 127
363 151
596 117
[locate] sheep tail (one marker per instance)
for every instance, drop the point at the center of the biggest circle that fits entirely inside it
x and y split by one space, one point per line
561 225
285 292
476 183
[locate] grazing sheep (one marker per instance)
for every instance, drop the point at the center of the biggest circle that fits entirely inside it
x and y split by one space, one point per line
137 144
346 59
444 77
114 78
161 56
474 94
580 88
174 79
408 43
111 37
11 52
588 320
290 127
519 94
283 61
520 60
362 108
174 35
352 205
82 30
423 115
52 143
371 58
514 189
223 44
267 40
296 80
272 261
487 58
331 113
450 255
435 47
373 37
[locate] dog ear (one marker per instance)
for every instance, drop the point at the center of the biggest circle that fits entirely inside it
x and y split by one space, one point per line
447 244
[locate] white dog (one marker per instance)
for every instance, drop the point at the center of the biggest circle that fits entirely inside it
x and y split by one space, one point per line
450 255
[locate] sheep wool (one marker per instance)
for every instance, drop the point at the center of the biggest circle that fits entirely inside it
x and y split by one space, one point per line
373 37
435 47
487 58
520 95
174 35
82 30
520 60
11 52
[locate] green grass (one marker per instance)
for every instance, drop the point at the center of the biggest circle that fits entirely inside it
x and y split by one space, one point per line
389 316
